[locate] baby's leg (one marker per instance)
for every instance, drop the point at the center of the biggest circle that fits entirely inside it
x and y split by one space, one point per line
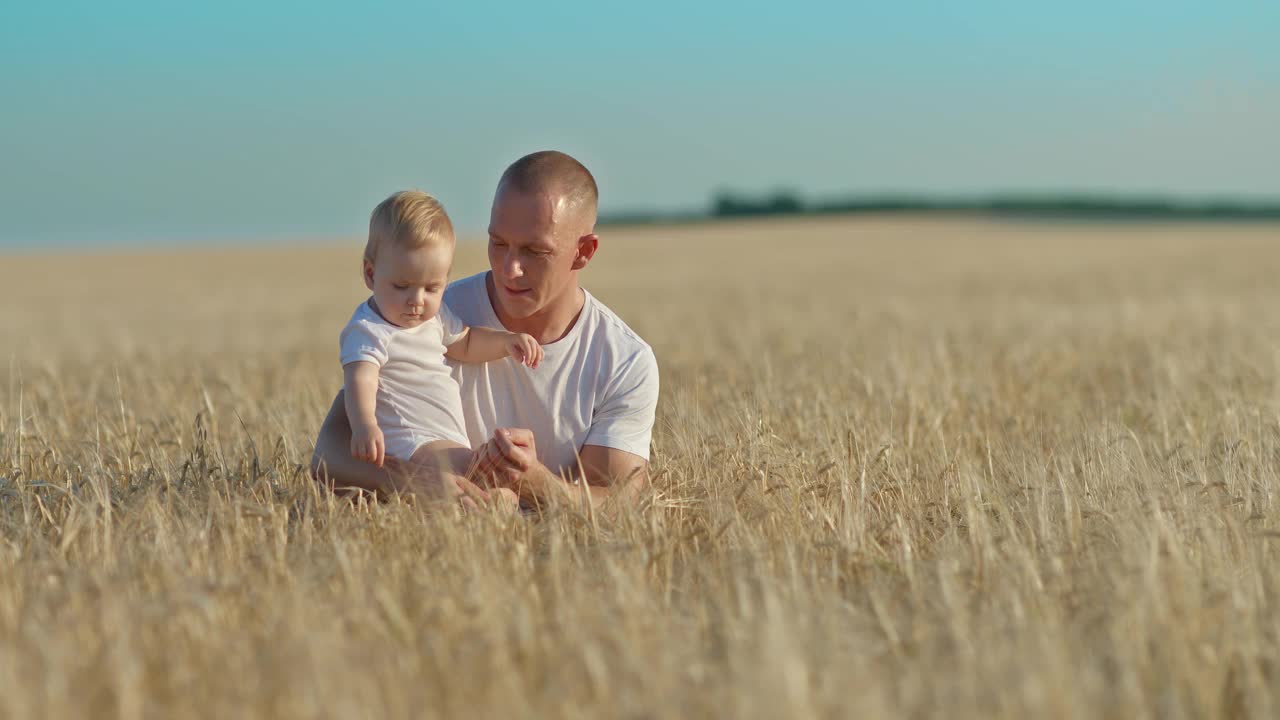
444 462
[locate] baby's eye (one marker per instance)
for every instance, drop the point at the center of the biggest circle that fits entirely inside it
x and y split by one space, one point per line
400 286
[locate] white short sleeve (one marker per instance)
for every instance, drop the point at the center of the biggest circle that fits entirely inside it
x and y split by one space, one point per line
360 341
624 419
450 324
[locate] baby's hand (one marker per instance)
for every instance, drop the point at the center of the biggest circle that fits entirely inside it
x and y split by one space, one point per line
367 444
524 348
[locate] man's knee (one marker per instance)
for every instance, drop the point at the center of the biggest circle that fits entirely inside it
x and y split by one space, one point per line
444 456
504 499
320 472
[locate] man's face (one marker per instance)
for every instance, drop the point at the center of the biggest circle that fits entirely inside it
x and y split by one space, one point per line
533 243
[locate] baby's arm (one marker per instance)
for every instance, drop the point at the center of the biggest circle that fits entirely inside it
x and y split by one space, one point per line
361 382
478 345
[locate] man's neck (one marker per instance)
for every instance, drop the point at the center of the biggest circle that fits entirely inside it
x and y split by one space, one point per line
547 325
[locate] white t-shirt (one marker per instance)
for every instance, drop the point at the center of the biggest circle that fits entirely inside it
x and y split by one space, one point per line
418 398
598 385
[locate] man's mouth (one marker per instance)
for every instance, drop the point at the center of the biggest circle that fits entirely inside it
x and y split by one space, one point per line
515 291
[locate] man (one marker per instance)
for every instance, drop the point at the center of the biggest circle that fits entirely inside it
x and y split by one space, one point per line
578 426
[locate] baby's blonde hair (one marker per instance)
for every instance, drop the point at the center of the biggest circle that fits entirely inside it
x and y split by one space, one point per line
411 219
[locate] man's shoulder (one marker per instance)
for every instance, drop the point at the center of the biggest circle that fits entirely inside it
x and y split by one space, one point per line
626 382
466 288
612 331
468 299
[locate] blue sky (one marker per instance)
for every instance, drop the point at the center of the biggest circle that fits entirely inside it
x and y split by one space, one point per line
176 122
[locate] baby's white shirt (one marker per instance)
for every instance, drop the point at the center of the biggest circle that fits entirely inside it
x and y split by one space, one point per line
418 399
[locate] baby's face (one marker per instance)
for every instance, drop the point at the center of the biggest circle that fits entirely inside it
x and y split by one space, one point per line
408 285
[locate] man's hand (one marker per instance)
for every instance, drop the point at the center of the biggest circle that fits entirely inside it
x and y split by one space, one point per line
524 349
507 458
367 444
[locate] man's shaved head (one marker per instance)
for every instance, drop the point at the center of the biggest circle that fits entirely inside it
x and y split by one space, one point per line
541 233
557 175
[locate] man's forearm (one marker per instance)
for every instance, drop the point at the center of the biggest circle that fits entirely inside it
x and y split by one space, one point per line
539 486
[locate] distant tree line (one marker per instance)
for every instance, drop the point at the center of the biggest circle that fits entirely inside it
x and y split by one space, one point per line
730 205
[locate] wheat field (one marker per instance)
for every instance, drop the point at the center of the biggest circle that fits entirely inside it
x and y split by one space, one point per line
902 468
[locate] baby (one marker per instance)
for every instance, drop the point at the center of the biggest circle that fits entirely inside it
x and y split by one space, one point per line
400 397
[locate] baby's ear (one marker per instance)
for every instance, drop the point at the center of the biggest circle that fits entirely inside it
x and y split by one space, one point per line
367 272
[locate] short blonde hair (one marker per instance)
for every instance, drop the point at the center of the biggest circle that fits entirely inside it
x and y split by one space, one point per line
411 219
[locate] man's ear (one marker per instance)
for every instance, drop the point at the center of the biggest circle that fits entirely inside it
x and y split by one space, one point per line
367 272
587 245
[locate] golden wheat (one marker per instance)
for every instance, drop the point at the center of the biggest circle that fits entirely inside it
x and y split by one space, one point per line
902 468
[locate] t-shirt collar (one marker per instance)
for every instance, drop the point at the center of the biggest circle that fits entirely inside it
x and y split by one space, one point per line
565 341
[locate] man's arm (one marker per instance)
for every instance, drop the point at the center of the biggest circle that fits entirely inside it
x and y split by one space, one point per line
605 474
624 419
612 473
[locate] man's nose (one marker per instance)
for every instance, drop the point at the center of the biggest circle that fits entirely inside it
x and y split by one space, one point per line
511 266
